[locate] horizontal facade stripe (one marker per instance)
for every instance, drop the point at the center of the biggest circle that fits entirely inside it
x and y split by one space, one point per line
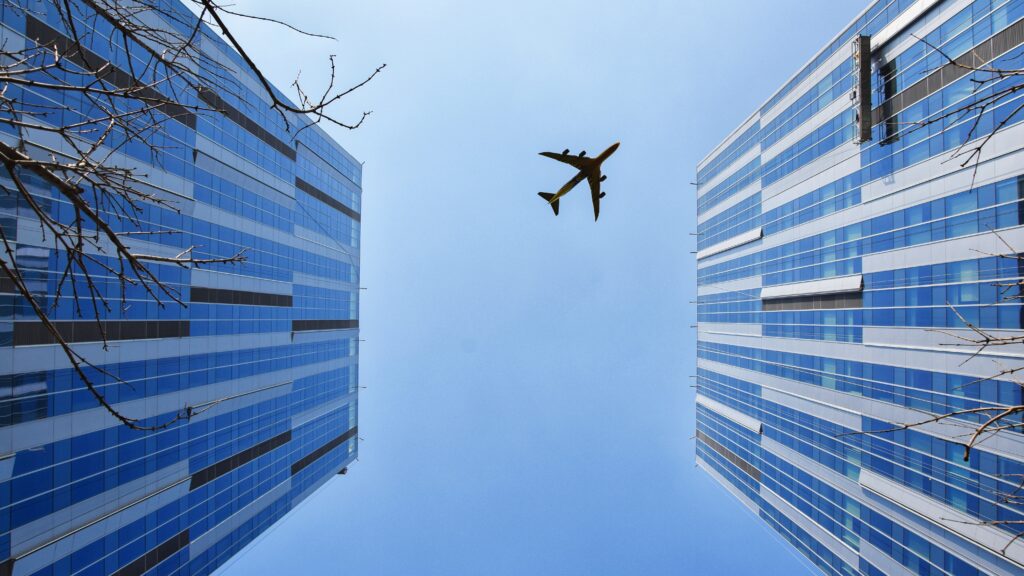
808 127
750 423
227 219
228 281
32 333
302 279
134 350
343 164
209 409
815 530
108 507
240 297
802 178
820 302
791 397
987 562
753 151
920 359
731 328
811 466
847 409
995 539
835 285
887 564
729 203
919 526
238 163
901 22
44 35
306 325
936 176
28 563
920 183
948 340
214 100
751 284
340 248
824 508
962 248
730 456
207 401
155 556
326 408
325 198
737 240
214 471
268 188
323 450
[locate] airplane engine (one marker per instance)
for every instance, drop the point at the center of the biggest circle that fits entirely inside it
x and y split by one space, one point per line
604 177
583 153
565 152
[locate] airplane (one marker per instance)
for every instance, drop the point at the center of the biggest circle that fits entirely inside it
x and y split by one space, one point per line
589 169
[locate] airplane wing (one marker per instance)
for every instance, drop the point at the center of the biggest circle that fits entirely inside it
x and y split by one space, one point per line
574 161
595 192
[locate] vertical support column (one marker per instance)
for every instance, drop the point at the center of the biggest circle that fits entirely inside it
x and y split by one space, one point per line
861 94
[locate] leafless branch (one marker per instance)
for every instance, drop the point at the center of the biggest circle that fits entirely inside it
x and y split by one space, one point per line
982 422
989 91
71 122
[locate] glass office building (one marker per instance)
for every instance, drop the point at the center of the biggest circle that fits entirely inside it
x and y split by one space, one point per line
265 353
840 252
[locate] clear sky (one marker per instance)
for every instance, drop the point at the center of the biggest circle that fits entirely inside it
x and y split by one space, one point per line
527 407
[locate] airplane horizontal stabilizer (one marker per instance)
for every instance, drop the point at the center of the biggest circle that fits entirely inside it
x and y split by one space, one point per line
547 196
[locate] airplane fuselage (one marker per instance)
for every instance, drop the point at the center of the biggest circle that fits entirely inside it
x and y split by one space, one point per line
593 166
588 169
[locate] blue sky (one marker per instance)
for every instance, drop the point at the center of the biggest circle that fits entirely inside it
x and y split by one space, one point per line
527 406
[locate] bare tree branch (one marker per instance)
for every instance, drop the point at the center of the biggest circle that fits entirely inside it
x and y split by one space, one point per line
982 422
67 119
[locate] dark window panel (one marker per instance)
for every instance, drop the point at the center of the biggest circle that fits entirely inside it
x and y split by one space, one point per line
212 472
46 36
155 556
730 456
31 333
225 296
326 199
306 325
323 450
820 302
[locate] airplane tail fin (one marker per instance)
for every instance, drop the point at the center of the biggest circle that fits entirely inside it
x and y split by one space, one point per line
547 196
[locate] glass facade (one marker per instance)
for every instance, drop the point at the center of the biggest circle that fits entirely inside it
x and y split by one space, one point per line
264 352
834 278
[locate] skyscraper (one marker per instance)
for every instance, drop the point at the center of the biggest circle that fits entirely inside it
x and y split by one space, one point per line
840 253
264 353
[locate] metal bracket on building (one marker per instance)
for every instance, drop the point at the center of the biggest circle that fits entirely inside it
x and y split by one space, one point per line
861 95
